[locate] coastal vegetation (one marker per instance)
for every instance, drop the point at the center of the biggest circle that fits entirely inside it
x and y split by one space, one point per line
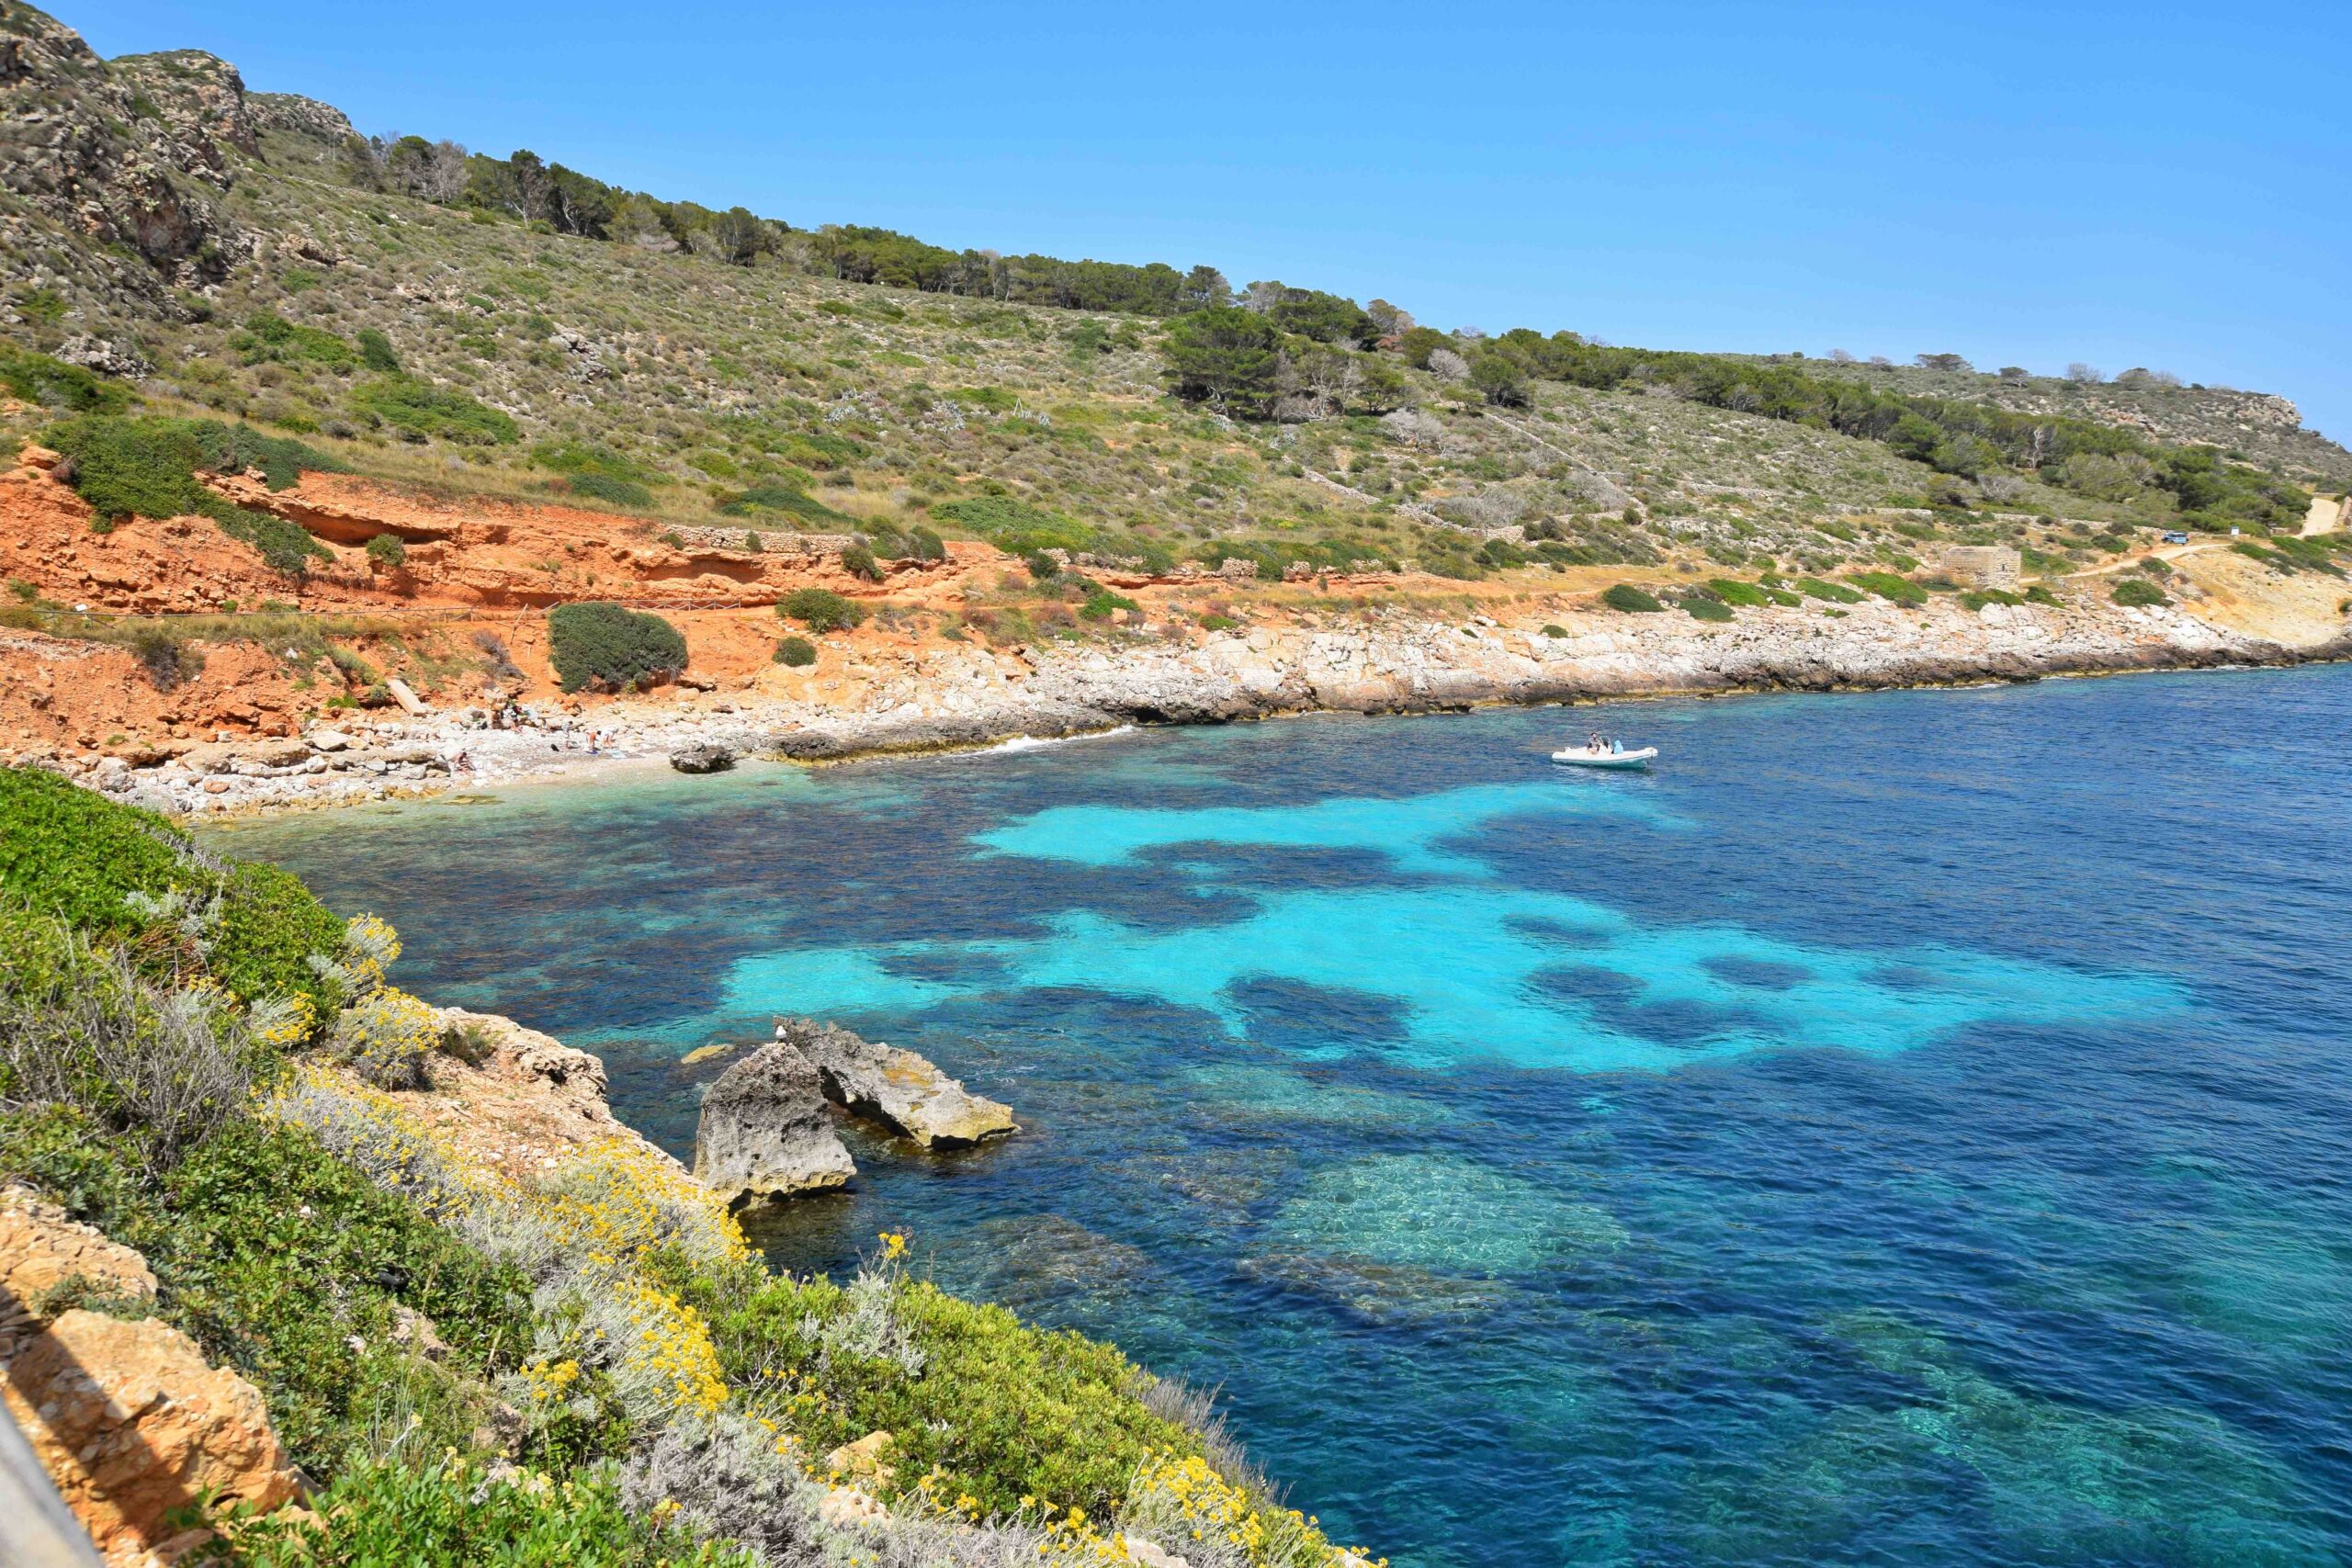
597 643
194 1058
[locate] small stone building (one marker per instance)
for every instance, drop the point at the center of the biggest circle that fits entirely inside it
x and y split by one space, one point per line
1983 566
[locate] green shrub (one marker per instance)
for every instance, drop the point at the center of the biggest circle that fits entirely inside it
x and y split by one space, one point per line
1555 631
599 643
83 1030
1101 603
1834 592
820 609
387 550
2038 594
1631 600
272 1254
752 543
2140 592
604 487
1888 586
925 545
376 350
146 465
1976 599
382 1514
74 855
783 498
1702 608
1006 1410
1731 591
38 378
418 410
1041 566
1015 526
270 336
285 546
1215 623
795 653
859 562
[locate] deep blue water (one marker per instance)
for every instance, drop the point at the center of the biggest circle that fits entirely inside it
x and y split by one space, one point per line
1906 1128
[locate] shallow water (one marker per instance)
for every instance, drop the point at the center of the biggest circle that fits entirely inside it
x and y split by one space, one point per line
1905 1128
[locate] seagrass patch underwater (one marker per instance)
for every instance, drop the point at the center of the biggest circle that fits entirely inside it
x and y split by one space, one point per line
1902 1128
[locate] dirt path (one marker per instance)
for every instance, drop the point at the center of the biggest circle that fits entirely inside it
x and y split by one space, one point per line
2327 514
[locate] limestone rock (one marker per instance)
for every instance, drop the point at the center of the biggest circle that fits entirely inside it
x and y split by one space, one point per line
898 1088
132 1425
845 1507
765 1133
406 696
705 758
40 1249
1148 1553
863 1460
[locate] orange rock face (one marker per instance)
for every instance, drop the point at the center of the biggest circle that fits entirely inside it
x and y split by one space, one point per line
132 1425
40 1249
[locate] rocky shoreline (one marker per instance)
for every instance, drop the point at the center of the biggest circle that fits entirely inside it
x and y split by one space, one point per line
1382 662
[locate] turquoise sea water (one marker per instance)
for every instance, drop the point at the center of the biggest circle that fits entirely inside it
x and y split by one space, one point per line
1907 1128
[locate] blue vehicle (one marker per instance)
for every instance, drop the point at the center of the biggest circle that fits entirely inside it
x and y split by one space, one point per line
2175 537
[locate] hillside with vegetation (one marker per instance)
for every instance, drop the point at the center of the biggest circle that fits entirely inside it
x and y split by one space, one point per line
577 1359
507 326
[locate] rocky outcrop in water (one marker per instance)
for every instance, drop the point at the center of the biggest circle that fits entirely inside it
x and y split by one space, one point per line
901 1090
765 1132
703 758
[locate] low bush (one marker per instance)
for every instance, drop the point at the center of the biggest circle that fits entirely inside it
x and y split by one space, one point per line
601 644
1889 587
2139 592
285 547
1834 593
820 609
146 465
419 410
1976 599
53 383
1631 600
1731 591
795 653
788 499
444 1509
1015 526
1101 603
1555 631
1700 607
1007 1411
859 562
376 350
387 550
604 487
83 1030
1215 623
71 853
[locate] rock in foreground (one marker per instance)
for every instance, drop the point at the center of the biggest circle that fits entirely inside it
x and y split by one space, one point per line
765 1132
702 759
903 1091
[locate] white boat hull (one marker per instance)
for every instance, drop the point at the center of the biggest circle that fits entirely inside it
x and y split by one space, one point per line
1577 756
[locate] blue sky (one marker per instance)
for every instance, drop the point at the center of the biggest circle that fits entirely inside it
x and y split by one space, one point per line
2137 185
